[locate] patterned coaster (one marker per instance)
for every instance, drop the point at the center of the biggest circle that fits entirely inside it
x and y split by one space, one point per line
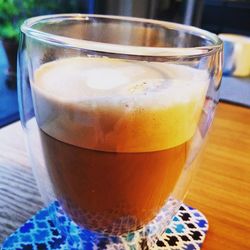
187 231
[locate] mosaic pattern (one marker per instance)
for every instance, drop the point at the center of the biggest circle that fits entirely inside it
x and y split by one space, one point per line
186 232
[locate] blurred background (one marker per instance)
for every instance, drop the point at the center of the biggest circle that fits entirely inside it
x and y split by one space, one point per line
218 16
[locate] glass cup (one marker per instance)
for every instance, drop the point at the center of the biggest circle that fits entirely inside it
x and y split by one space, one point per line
115 111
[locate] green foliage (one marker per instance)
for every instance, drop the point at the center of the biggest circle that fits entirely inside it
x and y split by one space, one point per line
14 12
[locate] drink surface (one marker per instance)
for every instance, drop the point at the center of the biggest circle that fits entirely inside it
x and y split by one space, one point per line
116 135
119 106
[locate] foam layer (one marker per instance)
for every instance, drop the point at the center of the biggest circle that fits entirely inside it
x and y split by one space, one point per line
117 105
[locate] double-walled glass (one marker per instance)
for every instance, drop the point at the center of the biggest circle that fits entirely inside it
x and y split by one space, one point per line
115 111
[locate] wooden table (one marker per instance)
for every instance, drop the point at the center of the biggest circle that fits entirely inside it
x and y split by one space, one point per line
221 188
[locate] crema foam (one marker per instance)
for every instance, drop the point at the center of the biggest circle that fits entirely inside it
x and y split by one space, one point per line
118 105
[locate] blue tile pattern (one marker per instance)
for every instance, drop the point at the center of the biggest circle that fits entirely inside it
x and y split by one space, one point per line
186 232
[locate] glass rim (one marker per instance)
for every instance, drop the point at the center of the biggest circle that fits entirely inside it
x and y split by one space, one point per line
28 30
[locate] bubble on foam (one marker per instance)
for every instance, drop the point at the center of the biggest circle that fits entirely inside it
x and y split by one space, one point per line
105 79
118 105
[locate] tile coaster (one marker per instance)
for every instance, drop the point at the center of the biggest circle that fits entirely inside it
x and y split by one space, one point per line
187 231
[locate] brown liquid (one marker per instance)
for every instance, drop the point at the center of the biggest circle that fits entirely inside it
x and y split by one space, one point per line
108 191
